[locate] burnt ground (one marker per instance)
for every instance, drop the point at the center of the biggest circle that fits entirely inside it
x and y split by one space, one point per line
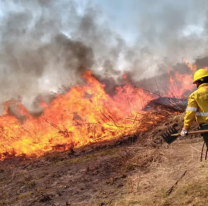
138 170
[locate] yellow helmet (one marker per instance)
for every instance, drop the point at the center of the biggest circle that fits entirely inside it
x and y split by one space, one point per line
199 74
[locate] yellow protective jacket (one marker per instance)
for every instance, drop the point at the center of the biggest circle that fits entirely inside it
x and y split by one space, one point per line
197 107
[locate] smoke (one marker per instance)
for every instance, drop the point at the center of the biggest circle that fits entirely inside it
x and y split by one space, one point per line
46 46
169 31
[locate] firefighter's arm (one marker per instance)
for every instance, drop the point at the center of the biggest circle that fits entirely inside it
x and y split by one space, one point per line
190 112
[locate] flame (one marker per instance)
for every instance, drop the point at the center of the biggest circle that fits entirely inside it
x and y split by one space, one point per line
180 84
84 115
192 67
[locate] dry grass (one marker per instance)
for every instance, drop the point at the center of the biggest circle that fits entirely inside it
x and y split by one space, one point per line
136 175
147 188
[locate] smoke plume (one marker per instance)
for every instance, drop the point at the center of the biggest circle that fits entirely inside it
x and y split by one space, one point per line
46 46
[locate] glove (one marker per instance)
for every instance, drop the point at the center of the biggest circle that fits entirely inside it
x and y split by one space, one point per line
184 132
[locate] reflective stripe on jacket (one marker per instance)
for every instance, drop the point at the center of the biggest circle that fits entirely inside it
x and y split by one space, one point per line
197 106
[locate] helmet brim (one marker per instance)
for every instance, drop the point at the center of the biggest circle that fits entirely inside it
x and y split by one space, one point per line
199 79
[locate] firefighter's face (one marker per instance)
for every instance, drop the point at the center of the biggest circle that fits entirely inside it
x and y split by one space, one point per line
197 84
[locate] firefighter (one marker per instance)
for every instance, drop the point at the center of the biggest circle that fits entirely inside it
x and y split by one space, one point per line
198 104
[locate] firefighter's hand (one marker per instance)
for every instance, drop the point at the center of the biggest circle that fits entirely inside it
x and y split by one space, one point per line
184 132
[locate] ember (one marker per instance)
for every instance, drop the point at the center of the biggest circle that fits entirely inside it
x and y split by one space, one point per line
84 115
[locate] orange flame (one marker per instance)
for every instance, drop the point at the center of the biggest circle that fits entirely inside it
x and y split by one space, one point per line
82 116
